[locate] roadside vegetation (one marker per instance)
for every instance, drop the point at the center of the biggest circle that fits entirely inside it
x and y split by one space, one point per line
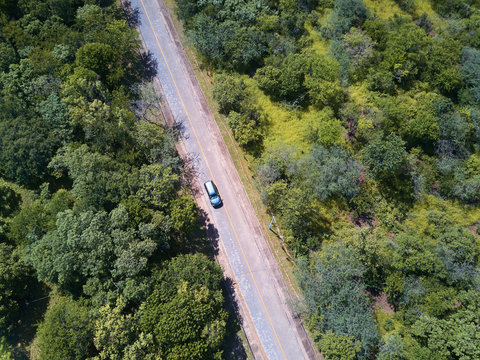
101 251
362 119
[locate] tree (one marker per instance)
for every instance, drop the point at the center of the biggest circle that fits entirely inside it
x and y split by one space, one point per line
184 214
184 313
415 255
97 57
97 254
470 71
66 332
393 349
338 347
229 92
330 172
385 157
345 14
98 181
114 331
442 65
333 291
4 353
26 146
245 127
459 251
405 50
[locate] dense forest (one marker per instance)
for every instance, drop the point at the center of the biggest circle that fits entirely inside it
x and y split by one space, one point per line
101 251
362 121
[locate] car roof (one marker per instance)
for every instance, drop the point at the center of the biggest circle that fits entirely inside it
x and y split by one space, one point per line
210 188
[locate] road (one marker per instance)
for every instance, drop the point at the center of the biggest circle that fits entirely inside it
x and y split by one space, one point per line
260 291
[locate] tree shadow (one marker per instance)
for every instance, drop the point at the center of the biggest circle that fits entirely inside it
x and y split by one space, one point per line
233 347
149 65
190 172
212 232
132 15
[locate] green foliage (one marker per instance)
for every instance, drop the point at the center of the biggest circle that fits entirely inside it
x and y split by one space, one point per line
26 147
345 14
16 282
184 312
98 181
393 349
229 92
385 158
454 337
9 200
246 128
470 71
4 353
442 66
300 75
334 297
338 347
66 332
184 214
114 331
97 254
404 54
330 173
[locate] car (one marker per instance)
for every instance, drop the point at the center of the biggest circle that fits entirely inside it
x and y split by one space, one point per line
213 194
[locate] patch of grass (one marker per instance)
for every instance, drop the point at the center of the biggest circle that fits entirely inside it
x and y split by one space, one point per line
423 7
283 125
386 321
458 213
319 44
384 8
358 94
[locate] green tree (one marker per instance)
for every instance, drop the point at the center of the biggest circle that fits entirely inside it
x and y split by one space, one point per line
245 127
184 313
338 347
66 332
229 92
97 57
385 157
98 181
4 353
405 51
27 144
184 214
96 253
333 290
114 331
330 172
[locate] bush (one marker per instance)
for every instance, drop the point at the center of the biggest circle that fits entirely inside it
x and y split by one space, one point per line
230 92
66 332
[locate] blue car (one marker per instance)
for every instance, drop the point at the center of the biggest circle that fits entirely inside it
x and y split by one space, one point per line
213 194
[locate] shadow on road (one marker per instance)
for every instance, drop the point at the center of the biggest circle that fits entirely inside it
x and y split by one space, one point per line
233 348
132 15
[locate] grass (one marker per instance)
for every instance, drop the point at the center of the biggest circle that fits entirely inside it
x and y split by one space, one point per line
283 125
385 9
319 45
423 7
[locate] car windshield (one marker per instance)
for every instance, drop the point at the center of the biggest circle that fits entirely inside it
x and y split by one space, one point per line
215 199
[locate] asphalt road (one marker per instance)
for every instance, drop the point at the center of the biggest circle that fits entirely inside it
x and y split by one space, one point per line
276 333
